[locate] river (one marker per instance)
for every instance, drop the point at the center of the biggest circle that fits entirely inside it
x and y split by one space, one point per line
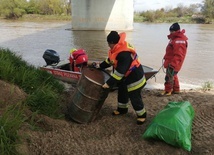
31 39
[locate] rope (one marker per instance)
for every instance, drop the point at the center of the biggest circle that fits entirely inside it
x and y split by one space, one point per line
171 74
158 70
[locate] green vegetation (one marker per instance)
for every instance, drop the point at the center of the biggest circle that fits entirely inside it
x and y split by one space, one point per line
43 88
207 86
61 10
208 9
10 122
13 9
37 17
43 98
195 13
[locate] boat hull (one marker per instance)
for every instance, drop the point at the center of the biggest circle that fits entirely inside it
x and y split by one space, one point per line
61 71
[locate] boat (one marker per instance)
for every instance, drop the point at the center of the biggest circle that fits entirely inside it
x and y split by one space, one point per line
60 69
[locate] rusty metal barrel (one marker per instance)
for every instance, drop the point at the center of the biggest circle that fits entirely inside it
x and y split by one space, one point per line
88 96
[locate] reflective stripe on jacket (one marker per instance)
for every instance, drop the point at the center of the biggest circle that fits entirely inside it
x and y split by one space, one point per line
122 46
134 82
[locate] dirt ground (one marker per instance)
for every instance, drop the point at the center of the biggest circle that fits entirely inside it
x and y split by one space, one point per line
118 135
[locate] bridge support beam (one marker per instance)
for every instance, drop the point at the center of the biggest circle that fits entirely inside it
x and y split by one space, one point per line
102 14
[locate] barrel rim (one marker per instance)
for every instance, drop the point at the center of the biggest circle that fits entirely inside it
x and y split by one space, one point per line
92 80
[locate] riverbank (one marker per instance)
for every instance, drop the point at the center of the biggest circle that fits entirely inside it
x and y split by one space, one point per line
138 18
28 104
39 94
108 134
36 17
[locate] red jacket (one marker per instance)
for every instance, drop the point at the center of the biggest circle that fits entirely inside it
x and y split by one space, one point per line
78 58
176 50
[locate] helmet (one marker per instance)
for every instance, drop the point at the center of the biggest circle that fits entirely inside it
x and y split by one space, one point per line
72 50
80 57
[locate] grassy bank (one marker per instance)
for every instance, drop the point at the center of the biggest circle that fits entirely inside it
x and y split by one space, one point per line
153 17
138 18
37 17
43 97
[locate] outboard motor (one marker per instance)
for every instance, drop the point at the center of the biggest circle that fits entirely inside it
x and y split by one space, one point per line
51 57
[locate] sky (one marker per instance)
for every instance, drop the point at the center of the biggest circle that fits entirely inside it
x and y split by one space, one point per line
144 5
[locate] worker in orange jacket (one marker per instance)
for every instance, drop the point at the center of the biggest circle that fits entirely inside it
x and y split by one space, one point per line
128 75
173 59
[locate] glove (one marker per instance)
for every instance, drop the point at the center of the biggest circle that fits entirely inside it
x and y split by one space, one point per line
170 71
105 86
94 65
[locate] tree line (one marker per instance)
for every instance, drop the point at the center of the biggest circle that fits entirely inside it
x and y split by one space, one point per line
198 13
13 9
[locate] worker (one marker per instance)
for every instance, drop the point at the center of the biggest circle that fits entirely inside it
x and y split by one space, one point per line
78 59
128 75
173 59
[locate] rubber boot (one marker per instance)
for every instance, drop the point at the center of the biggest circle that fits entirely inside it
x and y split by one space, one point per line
120 111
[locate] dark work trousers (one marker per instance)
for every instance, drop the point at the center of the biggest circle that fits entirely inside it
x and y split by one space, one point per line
134 96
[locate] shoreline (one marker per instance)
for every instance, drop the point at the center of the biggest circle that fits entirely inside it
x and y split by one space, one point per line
183 86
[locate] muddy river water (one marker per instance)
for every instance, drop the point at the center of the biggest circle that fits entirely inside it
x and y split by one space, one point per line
31 39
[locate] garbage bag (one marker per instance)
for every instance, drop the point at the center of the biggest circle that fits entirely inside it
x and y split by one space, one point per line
173 125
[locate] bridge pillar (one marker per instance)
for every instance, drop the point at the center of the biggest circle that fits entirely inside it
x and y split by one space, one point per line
102 14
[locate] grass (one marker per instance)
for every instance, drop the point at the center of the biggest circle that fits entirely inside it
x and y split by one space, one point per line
10 122
42 88
207 86
44 95
138 17
37 17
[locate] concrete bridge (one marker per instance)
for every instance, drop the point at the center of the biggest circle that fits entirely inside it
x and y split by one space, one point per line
102 14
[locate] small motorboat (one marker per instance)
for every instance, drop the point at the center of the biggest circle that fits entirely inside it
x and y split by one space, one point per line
61 69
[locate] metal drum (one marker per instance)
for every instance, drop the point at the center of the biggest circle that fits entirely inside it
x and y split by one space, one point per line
88 96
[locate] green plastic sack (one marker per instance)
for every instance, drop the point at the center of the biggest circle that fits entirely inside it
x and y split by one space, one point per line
173 125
